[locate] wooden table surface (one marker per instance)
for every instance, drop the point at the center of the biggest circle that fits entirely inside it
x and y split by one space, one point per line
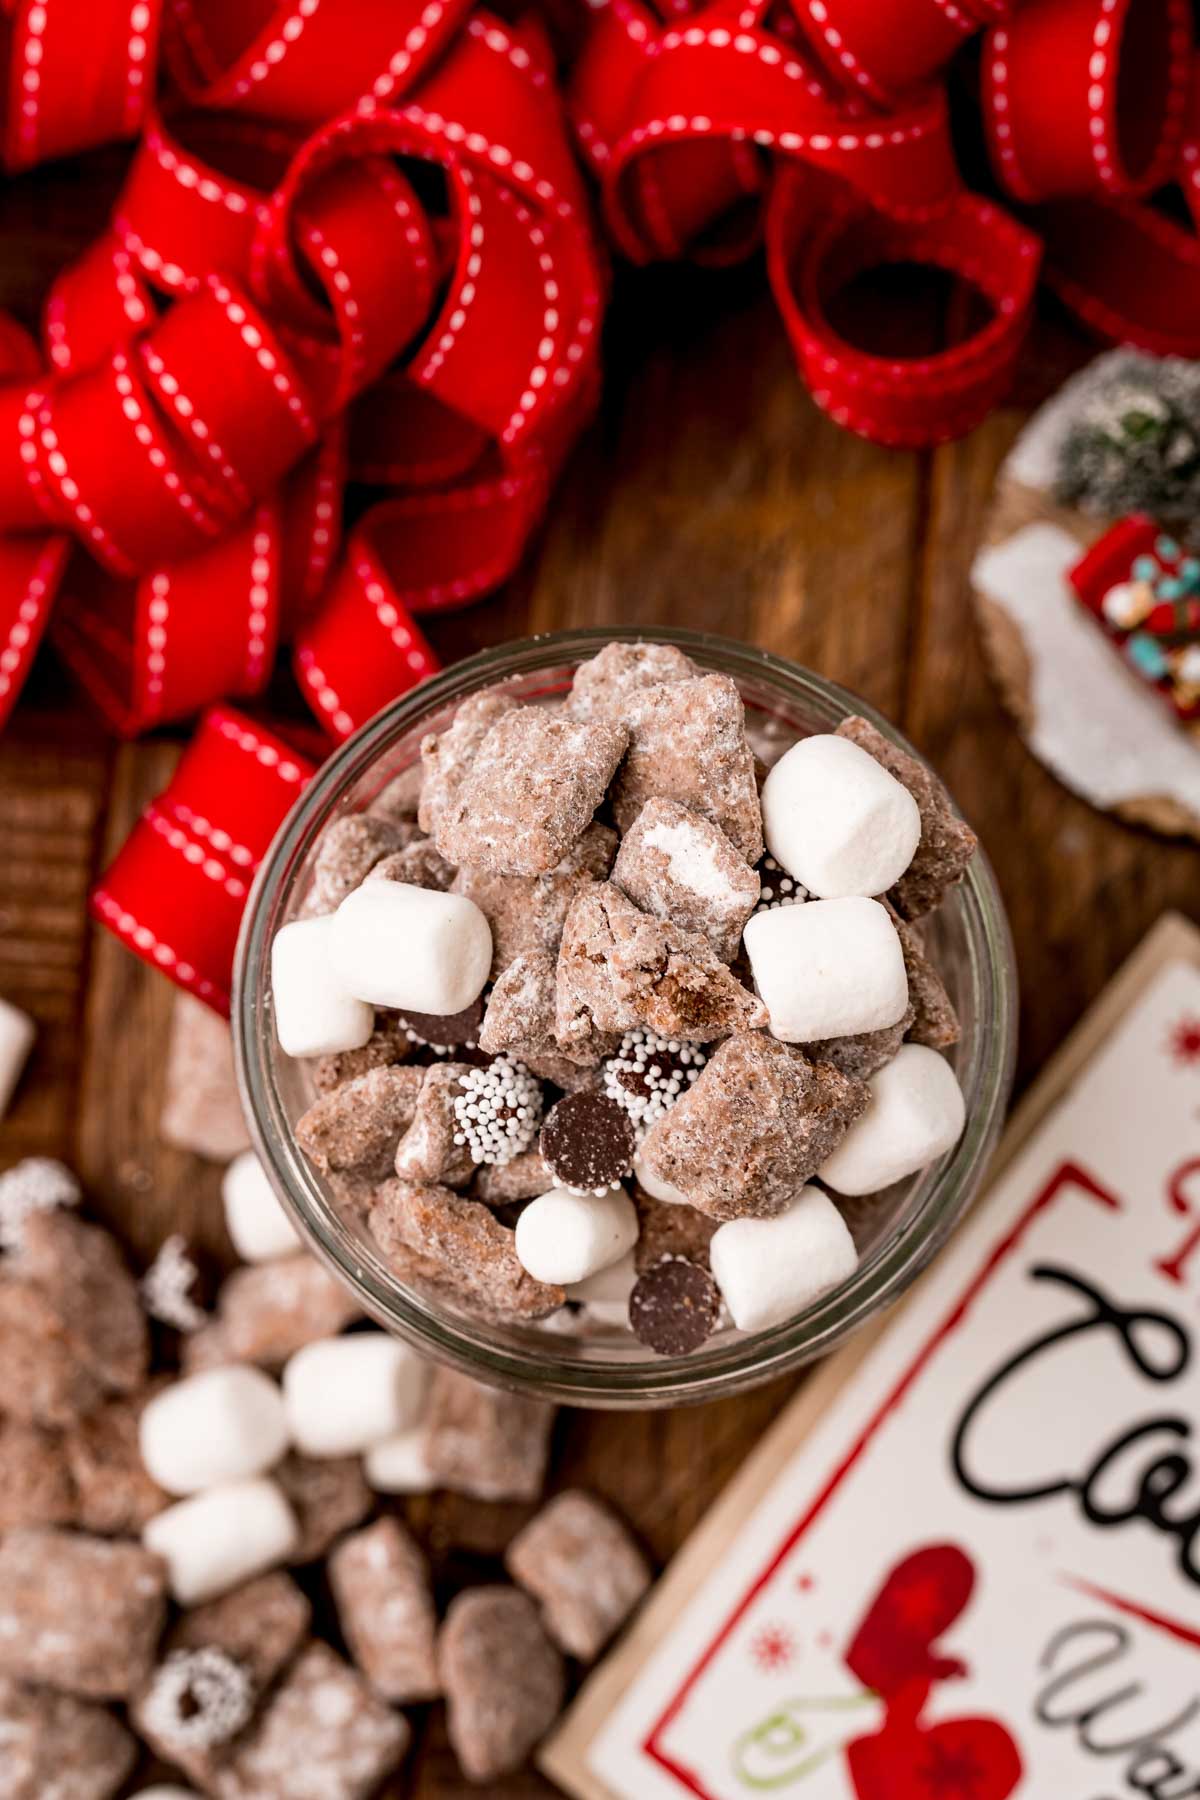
710 492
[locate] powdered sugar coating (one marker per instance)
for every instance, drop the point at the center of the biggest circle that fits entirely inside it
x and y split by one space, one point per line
419 864
604 685
359 1124
381 1587
36 1184
80 1271
485 1442
687 742
328 1495
469 1246
583 1568
268 1311
349 849
618 967
42 1377
79 1613
114 1494
526 912
429 1150
171 1284
59 1748
757 1124
679 866
446 756
530 792
35 1481
322 1735
504 1680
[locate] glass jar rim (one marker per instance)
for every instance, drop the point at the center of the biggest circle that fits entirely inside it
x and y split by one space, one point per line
466 1344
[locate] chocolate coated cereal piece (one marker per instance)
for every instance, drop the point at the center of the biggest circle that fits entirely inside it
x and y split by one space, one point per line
347 852
359 1124
603 686
201 1110
321 1734
386 1045
207 1349
484 1442
530 792
674 1307
419 864
526 912
79 1613
863 1052
55 1748
678 865
446 757
687 742
947 842
268 1311
328 1495
466 1242
935 1022
520 1012
752 1130
42 1378
35 1482
669 1229
427 1151
581 1565
587 1142
401 797
115 1494
380 1583
503 1678
79 1269
618 967
523 1178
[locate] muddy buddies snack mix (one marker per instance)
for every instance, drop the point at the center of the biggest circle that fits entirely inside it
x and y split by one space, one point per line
704 962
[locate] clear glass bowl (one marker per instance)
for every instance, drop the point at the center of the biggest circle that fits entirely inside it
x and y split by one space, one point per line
897 1233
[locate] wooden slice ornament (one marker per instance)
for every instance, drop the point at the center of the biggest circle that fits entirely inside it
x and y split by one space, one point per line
1087 587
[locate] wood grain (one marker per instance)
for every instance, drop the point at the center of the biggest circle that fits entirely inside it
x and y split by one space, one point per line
709 492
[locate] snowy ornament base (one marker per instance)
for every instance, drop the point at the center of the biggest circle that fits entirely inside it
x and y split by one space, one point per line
1081 709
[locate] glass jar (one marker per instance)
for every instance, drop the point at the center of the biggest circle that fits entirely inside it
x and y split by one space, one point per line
897 1233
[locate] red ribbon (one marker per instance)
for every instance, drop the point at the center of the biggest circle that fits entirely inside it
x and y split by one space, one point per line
176 891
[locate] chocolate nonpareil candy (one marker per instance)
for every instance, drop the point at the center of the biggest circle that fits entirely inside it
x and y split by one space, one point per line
583 1568
82 1614
757 1124
503 1679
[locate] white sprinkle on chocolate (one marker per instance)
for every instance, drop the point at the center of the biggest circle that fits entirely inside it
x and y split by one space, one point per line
498 1111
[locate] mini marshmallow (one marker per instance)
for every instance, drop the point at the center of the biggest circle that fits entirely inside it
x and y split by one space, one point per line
398 1465
657 1189
411 947
166 1793
254 1215
17 1033
345 1394
827 969
563 1237
768 1270
916 1114
218 1426
837 820
214 1541
606 1293
315 1014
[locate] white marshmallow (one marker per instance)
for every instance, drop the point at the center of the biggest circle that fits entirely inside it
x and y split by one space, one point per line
345 1394
254 1215
220 1425
657 1189
768 1270
166 1793
315 1014
605 1294
836 820
17 1033
216 1540
916 1114
409 947
829 968
563 1237
398 1465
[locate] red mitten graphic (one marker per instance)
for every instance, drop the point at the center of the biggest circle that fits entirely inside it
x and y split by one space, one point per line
961 1759
921 1598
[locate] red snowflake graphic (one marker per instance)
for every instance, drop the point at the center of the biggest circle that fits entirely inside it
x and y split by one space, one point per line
773 1648
1183 1044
